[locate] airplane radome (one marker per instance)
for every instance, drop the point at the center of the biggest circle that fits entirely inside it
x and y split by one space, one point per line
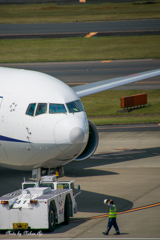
42 122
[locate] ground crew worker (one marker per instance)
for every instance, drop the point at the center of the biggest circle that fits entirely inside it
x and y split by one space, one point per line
112 217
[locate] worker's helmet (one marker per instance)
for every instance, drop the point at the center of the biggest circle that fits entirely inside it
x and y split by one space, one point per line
105 201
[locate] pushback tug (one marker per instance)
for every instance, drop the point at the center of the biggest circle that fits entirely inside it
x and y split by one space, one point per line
38 205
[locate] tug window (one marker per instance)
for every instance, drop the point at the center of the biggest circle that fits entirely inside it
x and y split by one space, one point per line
41 108
28 185
62 186
57 108
30 109
51 185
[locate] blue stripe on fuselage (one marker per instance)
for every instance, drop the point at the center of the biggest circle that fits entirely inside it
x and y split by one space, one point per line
7 139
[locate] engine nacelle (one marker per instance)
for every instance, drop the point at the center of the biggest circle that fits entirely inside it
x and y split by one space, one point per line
92 143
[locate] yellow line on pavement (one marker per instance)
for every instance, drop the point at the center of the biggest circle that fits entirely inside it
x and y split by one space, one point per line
127 211
106 61
91 34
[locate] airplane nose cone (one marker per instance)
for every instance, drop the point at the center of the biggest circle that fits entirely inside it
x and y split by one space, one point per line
69 131
76 135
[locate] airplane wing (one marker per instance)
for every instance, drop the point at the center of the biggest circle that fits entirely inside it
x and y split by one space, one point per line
84 90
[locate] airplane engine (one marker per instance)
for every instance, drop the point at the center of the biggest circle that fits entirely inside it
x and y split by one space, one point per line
92 143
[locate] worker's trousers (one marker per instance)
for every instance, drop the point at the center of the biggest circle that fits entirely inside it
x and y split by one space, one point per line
112 222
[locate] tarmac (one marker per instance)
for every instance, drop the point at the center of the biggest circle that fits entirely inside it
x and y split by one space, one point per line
80 29
125 168
83 72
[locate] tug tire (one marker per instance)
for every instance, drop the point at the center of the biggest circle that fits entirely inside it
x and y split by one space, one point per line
52 217
66 211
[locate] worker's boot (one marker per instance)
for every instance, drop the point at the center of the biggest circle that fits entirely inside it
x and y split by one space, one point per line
105 233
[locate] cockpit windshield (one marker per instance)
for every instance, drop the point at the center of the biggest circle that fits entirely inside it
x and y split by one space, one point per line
75 106
30 109
72 107
35 109
41 108
80 105
57 108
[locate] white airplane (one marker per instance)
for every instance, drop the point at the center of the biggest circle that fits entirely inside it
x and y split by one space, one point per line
43 123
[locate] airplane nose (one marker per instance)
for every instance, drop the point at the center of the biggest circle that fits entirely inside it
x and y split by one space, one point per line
69 131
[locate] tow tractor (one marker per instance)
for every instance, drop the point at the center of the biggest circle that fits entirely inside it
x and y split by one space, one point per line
38 205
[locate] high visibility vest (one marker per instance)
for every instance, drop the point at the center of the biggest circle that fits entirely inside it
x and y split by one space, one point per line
113 213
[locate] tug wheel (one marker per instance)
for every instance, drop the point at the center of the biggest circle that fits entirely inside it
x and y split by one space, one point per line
66 212
52 218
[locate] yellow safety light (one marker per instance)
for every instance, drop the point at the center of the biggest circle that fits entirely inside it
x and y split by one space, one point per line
57 174
4 202
33 202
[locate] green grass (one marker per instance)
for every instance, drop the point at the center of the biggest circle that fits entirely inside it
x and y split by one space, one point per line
101 108
51 12
108 102
79 49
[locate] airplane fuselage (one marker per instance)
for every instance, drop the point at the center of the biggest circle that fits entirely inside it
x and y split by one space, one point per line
42 121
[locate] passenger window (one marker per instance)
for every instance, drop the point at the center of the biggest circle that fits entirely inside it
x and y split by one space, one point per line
41 108
57 108
73 107
30 109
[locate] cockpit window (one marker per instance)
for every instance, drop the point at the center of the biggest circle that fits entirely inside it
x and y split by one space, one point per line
75 106
57 108
30 109
80 105
54 108
41 108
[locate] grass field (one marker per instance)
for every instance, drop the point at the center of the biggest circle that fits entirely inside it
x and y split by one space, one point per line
79 49
101 108
50 13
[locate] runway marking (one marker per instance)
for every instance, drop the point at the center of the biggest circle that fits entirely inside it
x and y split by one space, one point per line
127 211
90 34
136 74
